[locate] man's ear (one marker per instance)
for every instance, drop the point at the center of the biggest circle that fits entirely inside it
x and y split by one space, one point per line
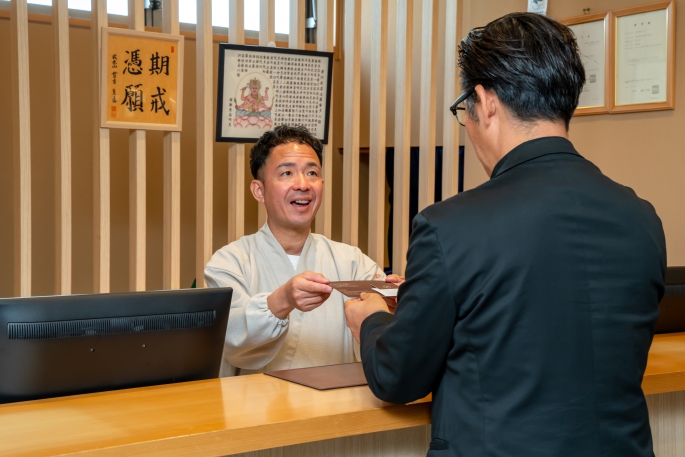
257 188
488 105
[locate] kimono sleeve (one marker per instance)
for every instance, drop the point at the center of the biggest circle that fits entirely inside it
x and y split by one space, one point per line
254 336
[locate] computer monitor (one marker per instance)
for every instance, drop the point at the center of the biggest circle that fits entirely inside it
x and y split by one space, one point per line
73 344
672 307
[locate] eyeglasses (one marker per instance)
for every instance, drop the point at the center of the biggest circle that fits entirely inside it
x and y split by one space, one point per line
458 108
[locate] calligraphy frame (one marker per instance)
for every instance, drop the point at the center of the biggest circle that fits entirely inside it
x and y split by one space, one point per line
670 58
608 74
105 122
223 47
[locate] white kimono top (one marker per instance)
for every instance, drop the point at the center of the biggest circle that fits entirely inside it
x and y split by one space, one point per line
256 340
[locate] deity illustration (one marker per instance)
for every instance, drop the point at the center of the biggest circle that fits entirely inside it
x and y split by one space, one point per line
253 111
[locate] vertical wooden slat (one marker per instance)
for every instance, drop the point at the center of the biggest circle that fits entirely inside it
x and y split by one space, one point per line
205 141
172 178
450 129
267 22
22 147
351 122
379 58
63 262
267 34
429 44
296 37
101 164
236 153
137 181
402 135
324 42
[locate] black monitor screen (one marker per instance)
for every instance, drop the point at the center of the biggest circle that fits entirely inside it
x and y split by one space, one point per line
72 344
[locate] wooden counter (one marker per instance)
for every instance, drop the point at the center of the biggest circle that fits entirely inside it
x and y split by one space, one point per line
235 415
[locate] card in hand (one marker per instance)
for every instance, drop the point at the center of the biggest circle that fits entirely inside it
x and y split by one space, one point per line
355 288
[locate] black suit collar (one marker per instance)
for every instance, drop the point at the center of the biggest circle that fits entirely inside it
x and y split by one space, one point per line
531 150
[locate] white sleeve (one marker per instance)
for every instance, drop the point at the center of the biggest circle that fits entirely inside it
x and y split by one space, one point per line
367 270
254 335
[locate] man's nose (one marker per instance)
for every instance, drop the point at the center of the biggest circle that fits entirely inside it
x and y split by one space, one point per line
301 182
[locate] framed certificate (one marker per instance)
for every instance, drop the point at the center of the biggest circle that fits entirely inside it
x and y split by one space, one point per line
644 58
593 35
262 87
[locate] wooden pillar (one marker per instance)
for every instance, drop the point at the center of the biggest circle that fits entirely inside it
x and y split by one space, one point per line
101 163
429 44
137 181
352 51
172 178
402 135
19 23
63 255
236 153
205 139
379 59
450 129
267 34
324 42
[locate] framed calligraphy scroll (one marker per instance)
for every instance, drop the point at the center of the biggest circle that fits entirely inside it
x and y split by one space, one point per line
141 80
262 87
594 38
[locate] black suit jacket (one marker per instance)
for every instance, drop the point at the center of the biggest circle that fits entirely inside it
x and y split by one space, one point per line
528 312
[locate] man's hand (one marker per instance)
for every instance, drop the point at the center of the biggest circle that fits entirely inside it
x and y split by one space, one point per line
358 309
395 279
306 292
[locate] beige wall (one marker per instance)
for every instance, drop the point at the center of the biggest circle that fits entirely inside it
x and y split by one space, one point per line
641 150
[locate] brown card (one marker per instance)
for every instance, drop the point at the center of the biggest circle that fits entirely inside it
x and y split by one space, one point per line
355 288
325 378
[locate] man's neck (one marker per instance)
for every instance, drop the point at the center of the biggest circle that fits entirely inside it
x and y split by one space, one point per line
291 240
517 135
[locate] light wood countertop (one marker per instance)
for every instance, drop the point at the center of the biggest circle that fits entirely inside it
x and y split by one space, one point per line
234 415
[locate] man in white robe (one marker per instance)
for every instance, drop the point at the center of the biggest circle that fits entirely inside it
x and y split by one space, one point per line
283 313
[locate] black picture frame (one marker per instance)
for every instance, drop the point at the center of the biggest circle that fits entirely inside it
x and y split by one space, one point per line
223 47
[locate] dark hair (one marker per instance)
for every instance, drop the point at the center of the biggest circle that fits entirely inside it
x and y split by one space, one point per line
282 134
530 61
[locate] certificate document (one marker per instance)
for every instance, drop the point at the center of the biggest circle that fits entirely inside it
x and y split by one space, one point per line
591 44
641 58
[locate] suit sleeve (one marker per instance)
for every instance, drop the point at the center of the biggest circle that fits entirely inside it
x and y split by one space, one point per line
404 355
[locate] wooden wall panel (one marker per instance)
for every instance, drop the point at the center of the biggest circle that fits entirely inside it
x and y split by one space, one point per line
450 129
205 139
236 152
22 147
171 276
137 180
63 255
378 61
427 114
324 42
352 85
402 135
101 164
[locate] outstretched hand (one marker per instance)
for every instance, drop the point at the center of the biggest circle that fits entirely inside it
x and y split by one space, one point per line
358 309
305 292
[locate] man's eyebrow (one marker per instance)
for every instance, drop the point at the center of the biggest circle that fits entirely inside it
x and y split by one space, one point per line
286 164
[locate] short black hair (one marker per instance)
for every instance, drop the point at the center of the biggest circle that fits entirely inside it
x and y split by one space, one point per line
282 134
530 61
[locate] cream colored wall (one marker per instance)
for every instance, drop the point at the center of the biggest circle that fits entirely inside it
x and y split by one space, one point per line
641 150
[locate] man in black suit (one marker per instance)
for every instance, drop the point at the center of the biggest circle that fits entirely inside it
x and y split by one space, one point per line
530 302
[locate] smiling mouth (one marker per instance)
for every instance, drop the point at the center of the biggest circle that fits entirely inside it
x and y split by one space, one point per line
300 203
